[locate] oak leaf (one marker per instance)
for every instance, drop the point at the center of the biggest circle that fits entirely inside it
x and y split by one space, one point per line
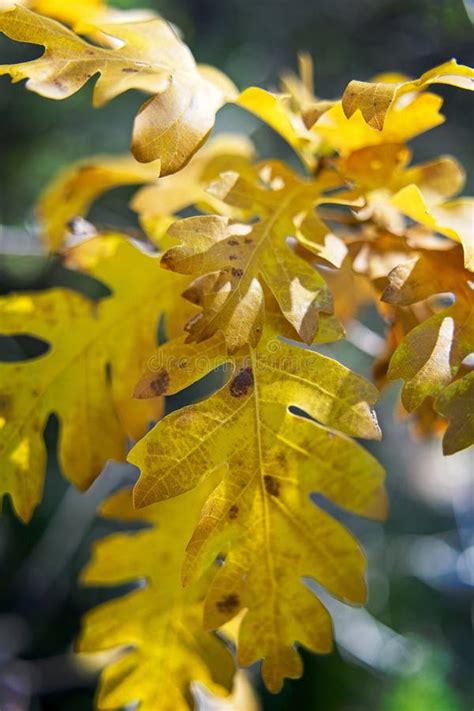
456 403
170 126
234 260
273 109
96 355
454 219
81 13
159 625
430 355
374 99
259 517
403 123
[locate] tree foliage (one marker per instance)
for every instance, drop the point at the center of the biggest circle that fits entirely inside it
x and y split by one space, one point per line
271 264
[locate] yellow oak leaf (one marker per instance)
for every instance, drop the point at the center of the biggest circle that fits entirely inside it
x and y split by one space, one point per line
454 219
402 123
430 355
424 421
170 126
96 355
83 15
159 625
233 260
382 171
456 403
177 364
80 13
260 517
74 189
386 167
374 99
273 109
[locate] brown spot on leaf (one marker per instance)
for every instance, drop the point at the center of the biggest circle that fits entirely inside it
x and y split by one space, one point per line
242 382
237 272
160 383
272 486
60 85
248 240
232 242
129 70
228 604
233 257
5 402
233 511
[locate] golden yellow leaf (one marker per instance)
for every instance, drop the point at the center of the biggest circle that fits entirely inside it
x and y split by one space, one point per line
454 219
374 100
82 14
456 403
74 190
233 259
159 625
381 172
439 178
430 355
401 124
273 110
260 517
170 126
86 339
424 421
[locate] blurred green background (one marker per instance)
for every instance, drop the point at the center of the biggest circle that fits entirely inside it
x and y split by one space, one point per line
412 649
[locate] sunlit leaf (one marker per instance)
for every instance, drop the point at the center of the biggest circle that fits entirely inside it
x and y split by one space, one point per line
158 625
430 355
236 258
454 219
375 99
260 517
171 125
456 403
96 355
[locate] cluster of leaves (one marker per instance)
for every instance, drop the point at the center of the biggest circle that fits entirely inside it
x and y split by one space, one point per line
271 263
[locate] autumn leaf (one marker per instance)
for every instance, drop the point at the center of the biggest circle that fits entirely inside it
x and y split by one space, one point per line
454 219
81 15
456 403
96 355
374 100
159 624
401 124
429 357
73 191
259 516
170 126
382 173
233 260
273 109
